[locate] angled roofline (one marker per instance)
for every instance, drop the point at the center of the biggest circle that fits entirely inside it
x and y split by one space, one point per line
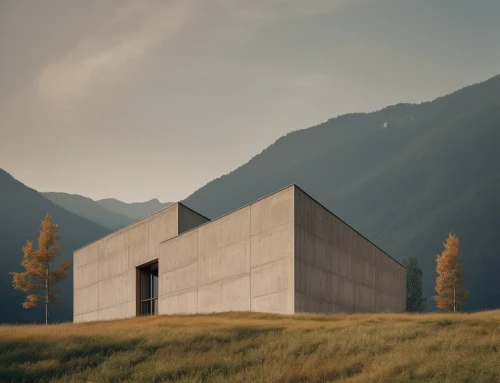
240 208
307 194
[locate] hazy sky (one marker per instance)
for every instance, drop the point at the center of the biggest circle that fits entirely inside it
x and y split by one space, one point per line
143 99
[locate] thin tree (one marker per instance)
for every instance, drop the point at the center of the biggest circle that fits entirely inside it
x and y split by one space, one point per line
38 277
450 296
415 302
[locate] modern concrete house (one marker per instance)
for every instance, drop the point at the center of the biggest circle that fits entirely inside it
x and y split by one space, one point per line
284 253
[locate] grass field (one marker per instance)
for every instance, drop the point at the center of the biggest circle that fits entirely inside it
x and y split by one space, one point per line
250 347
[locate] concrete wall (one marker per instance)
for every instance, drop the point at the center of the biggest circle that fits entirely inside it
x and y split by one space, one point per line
284 253
105 271
241 261
337 270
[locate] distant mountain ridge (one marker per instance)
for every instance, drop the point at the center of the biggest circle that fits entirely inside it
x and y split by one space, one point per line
403 176
82 221
135 210
109 213
88 208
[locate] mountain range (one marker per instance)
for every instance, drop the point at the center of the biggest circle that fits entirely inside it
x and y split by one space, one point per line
22 209
81 221
403 176
109 213
135 210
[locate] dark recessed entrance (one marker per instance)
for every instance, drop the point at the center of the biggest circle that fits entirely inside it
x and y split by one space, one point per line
147 289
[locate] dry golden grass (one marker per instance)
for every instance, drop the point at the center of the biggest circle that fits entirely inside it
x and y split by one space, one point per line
250 347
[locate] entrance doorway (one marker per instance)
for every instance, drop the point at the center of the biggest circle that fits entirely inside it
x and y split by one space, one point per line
148 289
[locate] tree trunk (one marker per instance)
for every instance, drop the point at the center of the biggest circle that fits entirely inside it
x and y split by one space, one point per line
47 296
454 299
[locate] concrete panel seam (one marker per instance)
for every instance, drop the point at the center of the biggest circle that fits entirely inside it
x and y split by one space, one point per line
319 267
240 208
274 292
180 292
110 307
215 248
341 276
84 287
272 228
227 278
112 234
269 263
363 284
371 287
298 225
223 247
81 287
348 226
90 312
183 266
102 280
331 244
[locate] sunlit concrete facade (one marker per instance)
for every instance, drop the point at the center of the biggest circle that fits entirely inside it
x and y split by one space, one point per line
284 253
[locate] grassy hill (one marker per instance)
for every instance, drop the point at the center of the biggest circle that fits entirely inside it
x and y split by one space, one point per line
404 176
251 347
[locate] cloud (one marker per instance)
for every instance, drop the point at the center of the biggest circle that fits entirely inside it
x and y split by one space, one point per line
296 81
111 53
136 29
244 18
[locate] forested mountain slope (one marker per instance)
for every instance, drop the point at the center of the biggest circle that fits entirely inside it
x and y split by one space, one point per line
403 176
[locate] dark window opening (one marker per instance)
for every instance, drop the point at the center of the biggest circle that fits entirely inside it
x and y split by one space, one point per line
148 289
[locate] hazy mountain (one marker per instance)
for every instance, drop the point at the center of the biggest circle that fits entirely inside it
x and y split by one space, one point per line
88 208
403 176
136 210
22 209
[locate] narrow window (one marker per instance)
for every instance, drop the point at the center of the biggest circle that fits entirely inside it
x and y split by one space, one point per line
148 286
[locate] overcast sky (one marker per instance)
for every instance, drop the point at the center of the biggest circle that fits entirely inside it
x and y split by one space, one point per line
142 99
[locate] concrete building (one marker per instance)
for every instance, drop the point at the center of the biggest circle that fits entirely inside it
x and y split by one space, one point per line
284 253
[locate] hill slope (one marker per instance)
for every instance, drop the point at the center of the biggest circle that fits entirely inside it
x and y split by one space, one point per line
22 209
134 211
88 208
251 347
403 176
